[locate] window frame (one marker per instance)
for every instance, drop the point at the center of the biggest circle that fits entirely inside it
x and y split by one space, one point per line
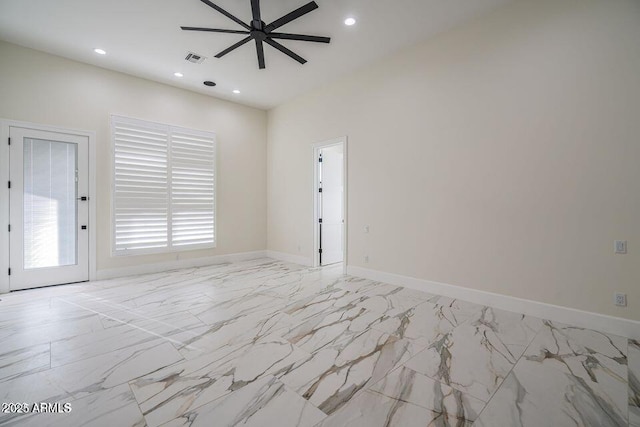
170 129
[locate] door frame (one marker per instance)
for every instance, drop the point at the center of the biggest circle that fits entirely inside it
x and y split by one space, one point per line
315 151
5 124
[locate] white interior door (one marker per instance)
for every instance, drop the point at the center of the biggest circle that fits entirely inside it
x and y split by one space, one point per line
331 209
48 208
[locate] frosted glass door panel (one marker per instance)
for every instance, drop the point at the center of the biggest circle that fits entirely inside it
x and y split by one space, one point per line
50 203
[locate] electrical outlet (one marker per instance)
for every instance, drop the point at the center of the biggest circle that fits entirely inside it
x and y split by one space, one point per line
366 258
620 299
620 246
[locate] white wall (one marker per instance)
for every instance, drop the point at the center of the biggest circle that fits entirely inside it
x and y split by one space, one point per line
40 88
501 156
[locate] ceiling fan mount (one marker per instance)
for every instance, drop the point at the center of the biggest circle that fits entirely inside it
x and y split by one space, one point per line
261 32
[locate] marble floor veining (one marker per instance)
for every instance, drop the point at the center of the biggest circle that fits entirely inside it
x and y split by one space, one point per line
267 343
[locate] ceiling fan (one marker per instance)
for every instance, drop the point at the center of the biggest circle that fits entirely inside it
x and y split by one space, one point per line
260 32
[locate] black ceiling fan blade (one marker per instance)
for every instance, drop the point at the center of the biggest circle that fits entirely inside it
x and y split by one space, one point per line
255 11
291 16
235 46
225 13
214 30
260 50
302 37
286 51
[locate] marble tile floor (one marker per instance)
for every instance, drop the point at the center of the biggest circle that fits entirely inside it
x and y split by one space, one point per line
267 343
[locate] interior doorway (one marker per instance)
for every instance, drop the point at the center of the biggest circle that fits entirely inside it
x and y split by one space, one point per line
330 159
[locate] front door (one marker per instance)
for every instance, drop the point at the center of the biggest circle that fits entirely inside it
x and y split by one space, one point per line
48 208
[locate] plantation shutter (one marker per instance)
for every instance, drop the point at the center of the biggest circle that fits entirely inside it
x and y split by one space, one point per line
192 188
164 188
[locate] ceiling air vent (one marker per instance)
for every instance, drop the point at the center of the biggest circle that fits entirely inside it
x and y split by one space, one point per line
195 58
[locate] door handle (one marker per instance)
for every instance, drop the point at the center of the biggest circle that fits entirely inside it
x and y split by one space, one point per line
83 198
83 227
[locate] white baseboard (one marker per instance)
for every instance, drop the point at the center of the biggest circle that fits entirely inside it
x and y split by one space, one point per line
294 259
585 319
112 273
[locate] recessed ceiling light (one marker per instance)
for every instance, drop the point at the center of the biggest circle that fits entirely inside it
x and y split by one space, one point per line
349 21
209 83
178 74
236 91
99 51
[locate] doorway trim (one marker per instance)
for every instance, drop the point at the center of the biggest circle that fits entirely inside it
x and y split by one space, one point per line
5 124
315 151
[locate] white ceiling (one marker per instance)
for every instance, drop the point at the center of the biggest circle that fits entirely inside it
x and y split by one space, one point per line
143 38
